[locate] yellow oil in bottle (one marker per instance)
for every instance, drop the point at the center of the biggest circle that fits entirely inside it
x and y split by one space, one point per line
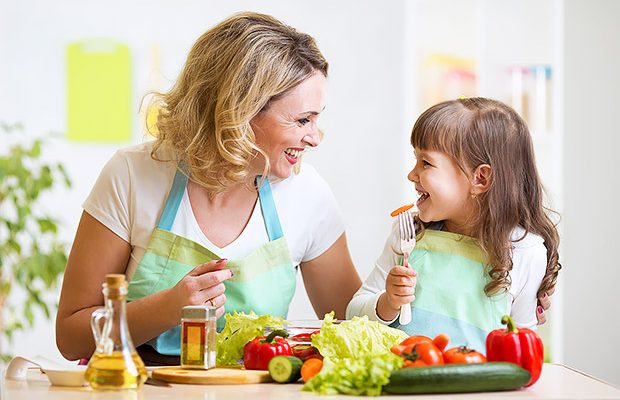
115 371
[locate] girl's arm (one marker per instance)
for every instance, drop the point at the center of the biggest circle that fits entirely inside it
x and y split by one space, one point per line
98 251
331 279
529 266
544 302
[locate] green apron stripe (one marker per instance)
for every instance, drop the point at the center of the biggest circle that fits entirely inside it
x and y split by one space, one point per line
181 251
451 243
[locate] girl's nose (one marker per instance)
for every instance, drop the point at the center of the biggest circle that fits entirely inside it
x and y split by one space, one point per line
412 176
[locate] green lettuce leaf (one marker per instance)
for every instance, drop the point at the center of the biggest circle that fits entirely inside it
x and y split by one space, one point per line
240 328
363 375
355 337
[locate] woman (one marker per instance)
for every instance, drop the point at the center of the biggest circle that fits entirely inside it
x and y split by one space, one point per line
216 210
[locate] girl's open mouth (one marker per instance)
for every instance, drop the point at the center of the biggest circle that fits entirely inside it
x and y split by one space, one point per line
422 197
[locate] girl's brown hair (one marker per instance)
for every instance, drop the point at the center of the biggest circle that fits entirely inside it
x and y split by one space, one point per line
477 131
232 73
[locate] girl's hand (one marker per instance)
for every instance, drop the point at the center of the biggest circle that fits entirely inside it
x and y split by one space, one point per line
544 302
400 286
204 285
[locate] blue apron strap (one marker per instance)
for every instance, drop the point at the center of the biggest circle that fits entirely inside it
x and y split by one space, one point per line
268 207
174 199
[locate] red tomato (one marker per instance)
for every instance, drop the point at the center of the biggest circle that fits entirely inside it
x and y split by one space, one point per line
422 354
463 355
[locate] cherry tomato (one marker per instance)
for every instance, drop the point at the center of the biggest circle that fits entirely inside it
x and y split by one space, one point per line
463 355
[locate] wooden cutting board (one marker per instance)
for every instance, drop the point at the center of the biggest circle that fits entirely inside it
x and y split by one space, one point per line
214 376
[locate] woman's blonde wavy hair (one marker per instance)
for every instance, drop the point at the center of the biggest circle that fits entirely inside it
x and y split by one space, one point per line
232 72
477 131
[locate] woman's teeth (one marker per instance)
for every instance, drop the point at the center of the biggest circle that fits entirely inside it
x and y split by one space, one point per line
293 153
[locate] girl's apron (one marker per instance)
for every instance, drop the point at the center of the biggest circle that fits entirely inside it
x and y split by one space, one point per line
449 294
263 282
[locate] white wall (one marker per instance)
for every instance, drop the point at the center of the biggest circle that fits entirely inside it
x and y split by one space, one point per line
591 186
362 40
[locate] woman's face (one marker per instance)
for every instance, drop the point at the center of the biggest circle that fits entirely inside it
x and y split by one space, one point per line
289 126
444 189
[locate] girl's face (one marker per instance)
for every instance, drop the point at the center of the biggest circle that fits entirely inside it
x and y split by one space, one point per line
444 189
289 125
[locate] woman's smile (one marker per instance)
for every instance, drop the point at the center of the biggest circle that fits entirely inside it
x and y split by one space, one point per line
292 154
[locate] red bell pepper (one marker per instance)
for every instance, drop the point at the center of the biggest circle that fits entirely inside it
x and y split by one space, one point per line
259 351
520 346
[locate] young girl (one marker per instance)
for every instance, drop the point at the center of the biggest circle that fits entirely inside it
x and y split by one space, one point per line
486 246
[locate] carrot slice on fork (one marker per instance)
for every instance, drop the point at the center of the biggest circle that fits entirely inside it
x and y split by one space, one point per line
401 209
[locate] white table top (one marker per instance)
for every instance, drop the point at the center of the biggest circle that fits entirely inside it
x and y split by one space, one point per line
556 382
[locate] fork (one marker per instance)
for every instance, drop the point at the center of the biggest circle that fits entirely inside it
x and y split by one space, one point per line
406 230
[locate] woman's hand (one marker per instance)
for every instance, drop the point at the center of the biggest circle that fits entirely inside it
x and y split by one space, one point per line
544 302
204 285
399 290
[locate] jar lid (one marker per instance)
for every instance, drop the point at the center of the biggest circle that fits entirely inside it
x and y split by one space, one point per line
198 312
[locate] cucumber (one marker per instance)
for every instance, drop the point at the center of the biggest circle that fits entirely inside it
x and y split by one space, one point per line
285 369
458 378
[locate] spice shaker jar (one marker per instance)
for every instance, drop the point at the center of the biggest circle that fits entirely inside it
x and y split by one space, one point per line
198 337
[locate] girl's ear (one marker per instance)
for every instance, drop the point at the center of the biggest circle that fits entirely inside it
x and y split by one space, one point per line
481 181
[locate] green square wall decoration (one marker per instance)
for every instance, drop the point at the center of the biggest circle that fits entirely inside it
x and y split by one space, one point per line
98 91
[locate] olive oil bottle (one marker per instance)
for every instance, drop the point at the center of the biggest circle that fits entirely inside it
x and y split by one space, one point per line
115 364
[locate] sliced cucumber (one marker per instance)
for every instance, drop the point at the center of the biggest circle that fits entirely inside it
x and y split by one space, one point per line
285 369
458 378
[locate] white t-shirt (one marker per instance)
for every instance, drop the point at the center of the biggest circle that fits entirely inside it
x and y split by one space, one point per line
529 263
132 189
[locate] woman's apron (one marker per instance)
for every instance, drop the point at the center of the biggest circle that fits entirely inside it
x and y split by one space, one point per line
449 294
264 281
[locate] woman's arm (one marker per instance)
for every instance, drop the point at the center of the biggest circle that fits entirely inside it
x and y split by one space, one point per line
97 251
331 279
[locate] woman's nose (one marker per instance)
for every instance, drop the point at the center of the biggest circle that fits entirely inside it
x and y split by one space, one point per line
313 137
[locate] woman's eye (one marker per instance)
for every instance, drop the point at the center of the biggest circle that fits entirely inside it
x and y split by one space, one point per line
303 121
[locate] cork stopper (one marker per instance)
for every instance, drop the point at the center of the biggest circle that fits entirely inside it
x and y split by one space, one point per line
114 281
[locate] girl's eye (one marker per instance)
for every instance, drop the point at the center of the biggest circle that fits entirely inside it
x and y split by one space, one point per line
303 121
426 163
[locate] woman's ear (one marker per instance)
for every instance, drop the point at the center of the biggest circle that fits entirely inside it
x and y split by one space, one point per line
481 180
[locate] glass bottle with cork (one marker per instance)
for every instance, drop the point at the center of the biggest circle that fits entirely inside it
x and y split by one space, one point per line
115 363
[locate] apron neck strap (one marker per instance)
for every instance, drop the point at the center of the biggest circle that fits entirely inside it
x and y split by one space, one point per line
268 207
174 198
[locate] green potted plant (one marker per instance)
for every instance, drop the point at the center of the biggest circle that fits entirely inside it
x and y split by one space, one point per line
32 256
